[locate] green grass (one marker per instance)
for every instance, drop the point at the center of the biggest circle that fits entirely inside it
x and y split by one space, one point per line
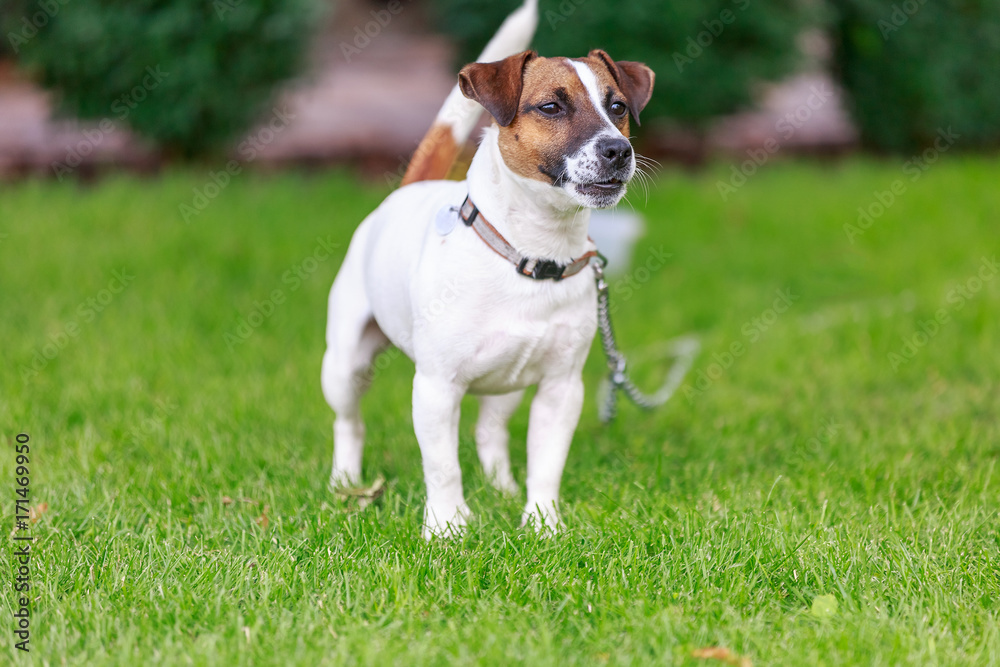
810 467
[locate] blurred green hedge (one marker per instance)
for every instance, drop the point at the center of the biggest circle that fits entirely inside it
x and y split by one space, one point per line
192 75
706 54
914 68
187 74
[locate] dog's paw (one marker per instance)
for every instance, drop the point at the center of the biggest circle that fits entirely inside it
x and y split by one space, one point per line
445 522
543 519
344 479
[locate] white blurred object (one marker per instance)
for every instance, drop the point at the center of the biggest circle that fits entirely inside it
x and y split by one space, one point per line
615 232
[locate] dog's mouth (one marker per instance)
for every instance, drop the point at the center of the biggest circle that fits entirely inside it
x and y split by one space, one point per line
610 186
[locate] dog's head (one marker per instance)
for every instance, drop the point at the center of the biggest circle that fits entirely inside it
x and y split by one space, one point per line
565 122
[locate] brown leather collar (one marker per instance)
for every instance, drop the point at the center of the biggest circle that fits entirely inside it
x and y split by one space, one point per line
532 267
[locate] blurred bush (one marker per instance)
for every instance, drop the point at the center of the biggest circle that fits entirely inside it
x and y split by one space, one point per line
187 74
706 54
914 68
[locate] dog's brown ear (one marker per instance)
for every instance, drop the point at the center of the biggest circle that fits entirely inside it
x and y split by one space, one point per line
497 86
634 79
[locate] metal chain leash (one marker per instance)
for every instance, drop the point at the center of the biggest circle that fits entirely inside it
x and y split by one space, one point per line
618 378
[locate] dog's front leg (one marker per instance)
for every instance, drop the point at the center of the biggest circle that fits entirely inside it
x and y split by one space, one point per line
436 404
555 412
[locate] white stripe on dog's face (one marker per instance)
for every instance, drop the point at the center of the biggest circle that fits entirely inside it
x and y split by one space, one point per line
589 81
586 166
571 130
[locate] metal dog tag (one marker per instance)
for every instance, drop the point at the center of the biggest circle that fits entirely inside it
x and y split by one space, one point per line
445 220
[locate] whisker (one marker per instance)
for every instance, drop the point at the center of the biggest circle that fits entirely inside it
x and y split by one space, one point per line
629 202
647 160
578 209
644 181
645 169
649 166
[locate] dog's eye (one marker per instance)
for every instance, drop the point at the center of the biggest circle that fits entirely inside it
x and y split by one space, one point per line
618 108
550 109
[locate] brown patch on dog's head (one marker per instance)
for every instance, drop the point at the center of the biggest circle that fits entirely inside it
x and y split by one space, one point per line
545 111
635 80
497 85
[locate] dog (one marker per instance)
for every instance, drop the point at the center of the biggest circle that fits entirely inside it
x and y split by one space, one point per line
481 282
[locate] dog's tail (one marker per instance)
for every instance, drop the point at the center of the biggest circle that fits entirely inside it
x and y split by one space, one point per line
440 147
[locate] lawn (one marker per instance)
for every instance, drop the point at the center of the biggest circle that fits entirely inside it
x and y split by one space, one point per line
823 490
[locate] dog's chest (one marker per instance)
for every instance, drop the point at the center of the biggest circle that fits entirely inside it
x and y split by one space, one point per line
518 346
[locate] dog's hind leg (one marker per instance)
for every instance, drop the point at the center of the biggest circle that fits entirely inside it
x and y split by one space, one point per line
492 438
353 338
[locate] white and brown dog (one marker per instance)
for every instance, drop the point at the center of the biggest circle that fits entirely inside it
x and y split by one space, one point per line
478 281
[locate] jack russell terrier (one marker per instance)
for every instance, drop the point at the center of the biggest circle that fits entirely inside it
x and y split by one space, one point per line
478 281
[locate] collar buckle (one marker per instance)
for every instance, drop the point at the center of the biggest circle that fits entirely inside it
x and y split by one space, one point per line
541 269
468 212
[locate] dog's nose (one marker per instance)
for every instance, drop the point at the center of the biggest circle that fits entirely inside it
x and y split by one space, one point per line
616 151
